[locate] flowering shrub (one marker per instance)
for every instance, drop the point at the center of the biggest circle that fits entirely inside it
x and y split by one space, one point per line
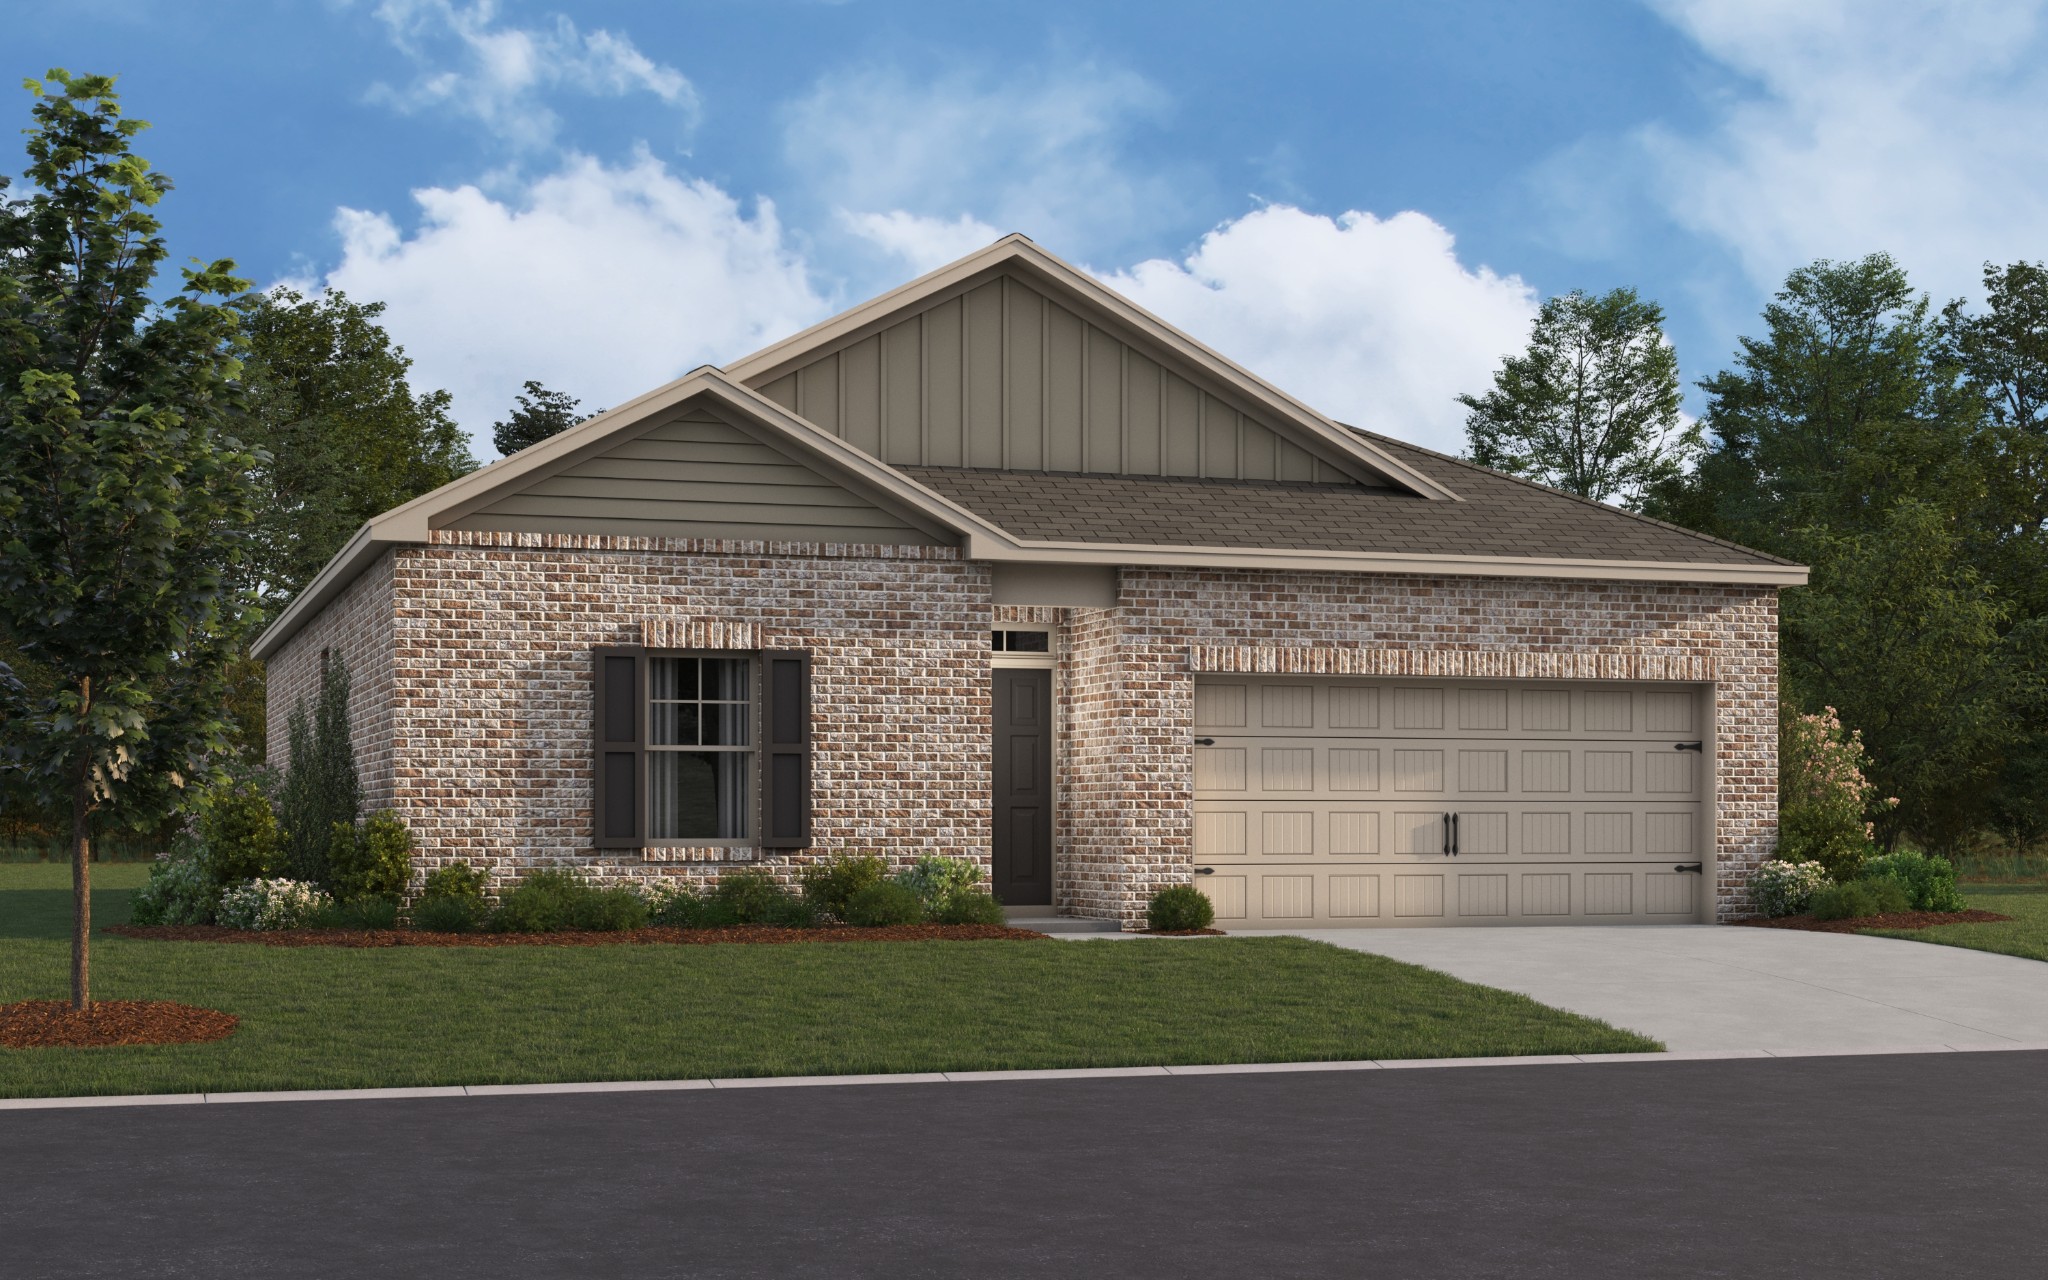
1823 798
178 892
270 904
1786 888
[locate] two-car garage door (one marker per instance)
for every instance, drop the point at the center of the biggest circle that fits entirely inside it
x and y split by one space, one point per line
1345 801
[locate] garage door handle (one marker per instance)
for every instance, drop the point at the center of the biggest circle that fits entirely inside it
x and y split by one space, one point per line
1205 742
1447 835
1697 868
1205 871
1689 746
1454 835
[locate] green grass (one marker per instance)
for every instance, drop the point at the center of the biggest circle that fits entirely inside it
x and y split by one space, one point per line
2026 934
336 1018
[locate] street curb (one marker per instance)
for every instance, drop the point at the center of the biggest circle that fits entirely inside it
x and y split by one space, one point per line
972 1077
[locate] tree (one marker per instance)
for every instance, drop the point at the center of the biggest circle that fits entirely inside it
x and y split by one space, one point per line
346 436
539 414
321 786
122 500
1593 407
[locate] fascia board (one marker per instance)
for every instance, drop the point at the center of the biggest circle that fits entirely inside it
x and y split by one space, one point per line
1006 548
358 554
1323 435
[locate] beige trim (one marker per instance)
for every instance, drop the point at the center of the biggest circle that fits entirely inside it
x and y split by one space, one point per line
1321 435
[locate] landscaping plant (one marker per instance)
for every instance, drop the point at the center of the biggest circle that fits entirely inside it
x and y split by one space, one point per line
321 787
754 896
1860 898
678 906
967 906
1178 909
1824 800
179 891
238 833
271 904
934 879
547 900
373 860
1782 888
882 904
373 911
830 885
444 914
1930 881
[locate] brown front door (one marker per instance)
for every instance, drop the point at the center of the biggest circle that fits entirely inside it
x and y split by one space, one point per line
1022 852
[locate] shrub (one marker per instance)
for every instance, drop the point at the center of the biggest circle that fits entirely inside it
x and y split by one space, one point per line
373 860
456 880
882 904
321 786
1783 888
934 879
376 912
446 913
678 906
967 906
1179 907
1824 800
830 885
613 910
545 901
271 904
1888 894
238 834
1850 901
179 891
1930 881
754 896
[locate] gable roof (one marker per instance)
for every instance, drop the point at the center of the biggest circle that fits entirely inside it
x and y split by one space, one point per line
1404 509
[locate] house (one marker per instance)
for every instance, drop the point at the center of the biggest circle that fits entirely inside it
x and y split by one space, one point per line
998 565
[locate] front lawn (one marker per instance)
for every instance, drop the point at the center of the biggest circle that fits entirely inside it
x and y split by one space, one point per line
339 1018
2026 934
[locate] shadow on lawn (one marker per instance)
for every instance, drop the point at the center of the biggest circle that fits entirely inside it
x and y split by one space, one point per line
46 913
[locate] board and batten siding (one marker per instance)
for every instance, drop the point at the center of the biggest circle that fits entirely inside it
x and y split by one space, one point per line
1002 376
698 477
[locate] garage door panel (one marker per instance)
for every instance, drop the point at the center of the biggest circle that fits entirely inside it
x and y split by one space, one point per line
1572 803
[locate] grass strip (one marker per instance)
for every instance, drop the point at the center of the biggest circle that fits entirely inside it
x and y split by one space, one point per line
2026 934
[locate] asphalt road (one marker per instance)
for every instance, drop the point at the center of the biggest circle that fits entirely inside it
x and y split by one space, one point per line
1929 1165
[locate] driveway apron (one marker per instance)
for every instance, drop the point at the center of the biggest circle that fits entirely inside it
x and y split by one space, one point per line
1703 987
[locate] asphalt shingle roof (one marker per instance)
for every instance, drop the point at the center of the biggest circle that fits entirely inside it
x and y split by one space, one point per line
1500 515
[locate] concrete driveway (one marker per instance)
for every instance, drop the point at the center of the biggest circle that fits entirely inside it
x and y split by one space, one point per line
1702 987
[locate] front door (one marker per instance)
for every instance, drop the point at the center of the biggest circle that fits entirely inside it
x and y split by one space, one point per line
1022 846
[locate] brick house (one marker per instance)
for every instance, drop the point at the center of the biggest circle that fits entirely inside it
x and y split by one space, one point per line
1000 566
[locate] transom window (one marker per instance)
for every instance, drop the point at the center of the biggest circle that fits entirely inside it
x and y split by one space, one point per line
700 748
1020 641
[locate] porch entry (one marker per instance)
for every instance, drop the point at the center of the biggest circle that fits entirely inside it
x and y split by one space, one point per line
1021 845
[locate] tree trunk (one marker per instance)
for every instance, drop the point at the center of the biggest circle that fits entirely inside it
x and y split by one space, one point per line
81 892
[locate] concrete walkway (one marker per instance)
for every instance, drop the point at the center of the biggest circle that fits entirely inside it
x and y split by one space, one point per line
1702 987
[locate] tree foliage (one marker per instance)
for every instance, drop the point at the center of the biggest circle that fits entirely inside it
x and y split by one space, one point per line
537 414
346 438
123 502
1593 406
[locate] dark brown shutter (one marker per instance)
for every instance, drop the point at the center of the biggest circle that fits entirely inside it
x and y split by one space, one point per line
785 749
621 713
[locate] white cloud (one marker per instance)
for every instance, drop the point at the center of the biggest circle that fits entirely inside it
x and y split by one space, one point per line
920 242
1045 152
503 71
597 280
1372 321
1913 127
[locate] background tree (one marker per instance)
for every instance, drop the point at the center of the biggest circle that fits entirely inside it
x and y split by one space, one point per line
538 414
346 436
1593 407
122 501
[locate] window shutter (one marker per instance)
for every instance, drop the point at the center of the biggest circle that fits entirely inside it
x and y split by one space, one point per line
620 708
785 749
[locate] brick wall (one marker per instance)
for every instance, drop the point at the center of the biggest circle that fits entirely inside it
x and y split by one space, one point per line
494 639
1127 780
356 628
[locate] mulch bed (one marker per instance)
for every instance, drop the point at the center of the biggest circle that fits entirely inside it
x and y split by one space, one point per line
52 1024
1895 920
571 938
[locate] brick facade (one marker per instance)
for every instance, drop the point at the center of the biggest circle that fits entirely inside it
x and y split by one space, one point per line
473 699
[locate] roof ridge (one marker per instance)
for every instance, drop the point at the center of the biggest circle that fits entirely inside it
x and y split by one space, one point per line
1470 465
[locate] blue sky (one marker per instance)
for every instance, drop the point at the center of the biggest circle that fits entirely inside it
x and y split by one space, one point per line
1363 202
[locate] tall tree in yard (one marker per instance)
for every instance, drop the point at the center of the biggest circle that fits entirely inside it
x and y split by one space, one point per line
122 500
1592 408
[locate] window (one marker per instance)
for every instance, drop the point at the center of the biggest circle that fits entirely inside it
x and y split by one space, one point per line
700 748
1020 641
